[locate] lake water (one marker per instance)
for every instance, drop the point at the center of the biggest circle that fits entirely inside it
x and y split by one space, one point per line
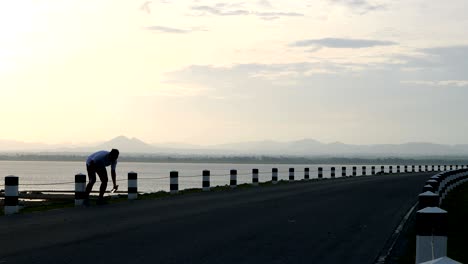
152 177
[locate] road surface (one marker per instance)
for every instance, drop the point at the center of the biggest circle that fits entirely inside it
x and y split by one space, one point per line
330 221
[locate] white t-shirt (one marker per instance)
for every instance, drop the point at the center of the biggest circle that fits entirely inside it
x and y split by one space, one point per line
101 159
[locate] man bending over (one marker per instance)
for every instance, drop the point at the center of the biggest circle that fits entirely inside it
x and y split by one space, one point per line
96 164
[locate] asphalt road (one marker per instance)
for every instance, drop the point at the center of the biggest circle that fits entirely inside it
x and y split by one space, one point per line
331 221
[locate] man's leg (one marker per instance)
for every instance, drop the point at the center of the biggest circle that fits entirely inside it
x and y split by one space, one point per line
92 180
104 179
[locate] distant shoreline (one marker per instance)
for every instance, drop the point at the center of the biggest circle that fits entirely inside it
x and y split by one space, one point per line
246 159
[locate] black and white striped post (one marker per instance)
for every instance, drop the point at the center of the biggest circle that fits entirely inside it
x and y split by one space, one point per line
373 170
382 169
451 167
419 168
398 169
354 171
320 173
428 199
11 195
413 169
445 167
255 177
291 174
406 168
433 168
132 185
456 167
332 173
364 173
274 175
206 180
174 182
306 174
80 189
390 169
438 167
425 168
343 171
233 180
431 234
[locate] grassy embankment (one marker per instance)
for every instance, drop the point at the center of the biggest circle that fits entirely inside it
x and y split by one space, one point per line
456 204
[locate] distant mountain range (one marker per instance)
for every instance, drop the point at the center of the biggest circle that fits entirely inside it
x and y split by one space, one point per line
305 147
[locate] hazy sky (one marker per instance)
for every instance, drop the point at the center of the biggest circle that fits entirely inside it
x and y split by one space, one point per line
206 72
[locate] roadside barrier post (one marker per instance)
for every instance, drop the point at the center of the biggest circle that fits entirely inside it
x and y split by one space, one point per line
132 185
445 167
233 181
413 169
332 173
431 234
354 171
291 174
11 195
390 169
174 182
419 168
343 171
398 169
428 199
306 174
274 175
80 189
428 188
425 168
432 167
364 173
320 173
382 169
438 168
206 180
255 177
373 170
451 167
456 167
406 169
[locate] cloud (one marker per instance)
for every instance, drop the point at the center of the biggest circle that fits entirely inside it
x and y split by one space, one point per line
238 10
171 30
447 83
360 6
342 43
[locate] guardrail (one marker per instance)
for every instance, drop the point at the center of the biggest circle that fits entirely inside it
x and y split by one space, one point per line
431 220
11 193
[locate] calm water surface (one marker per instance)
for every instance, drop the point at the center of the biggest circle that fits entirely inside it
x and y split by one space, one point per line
51 175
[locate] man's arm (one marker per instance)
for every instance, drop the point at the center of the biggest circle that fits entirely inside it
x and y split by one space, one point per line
114 176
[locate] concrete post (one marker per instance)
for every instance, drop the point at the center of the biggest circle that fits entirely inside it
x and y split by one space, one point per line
306 173
332 173
431 234
343 171
206 180
364 173
11 195
80 189
428 199
274 175
255 177
233 180
320 173
428 188
291 174
132 185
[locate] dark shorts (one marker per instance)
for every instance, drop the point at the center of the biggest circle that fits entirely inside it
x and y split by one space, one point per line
101 172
